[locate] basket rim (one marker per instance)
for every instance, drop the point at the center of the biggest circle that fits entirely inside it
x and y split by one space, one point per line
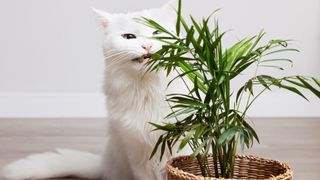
175 170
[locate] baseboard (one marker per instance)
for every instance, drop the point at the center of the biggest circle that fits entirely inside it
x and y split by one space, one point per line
275 104
52 105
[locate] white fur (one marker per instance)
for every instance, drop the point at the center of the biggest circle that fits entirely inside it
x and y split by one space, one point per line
61 163
134 99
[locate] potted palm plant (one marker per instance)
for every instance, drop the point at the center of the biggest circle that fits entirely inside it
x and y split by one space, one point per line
211 117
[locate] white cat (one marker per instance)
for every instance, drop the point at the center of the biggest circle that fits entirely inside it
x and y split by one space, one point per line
134 99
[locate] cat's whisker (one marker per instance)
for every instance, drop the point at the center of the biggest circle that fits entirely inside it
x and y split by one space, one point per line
112 51
115 54
115 50
118 60
121 59
133 53
123 55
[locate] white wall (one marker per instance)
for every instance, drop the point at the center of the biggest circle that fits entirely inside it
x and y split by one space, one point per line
51 62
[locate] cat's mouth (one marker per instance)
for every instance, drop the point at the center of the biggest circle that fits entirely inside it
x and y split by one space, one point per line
143 59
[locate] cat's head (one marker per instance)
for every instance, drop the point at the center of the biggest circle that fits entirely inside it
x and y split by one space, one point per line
128 43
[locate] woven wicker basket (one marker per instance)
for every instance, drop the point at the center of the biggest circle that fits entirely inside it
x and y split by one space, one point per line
247 167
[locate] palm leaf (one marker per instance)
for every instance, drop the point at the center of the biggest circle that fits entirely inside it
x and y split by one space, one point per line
308 86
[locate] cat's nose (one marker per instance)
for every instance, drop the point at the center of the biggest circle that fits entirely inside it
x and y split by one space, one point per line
147 47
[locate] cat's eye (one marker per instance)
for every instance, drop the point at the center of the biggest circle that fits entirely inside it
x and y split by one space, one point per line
129 36
156 32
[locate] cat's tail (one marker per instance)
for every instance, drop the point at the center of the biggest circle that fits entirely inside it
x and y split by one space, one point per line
62 163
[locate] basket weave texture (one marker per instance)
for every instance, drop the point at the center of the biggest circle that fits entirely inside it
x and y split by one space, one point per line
247 167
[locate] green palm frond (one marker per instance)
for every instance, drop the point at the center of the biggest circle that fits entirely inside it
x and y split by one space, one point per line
209 117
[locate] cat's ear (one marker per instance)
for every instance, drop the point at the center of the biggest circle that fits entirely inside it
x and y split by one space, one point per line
171 8
102 17
172 5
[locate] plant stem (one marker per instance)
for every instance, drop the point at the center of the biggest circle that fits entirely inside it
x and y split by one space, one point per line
233 155
215 160
202 168
221 161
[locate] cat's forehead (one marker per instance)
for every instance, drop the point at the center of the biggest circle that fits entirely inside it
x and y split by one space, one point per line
129 21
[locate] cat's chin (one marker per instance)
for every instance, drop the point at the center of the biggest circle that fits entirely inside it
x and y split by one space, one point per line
142 59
